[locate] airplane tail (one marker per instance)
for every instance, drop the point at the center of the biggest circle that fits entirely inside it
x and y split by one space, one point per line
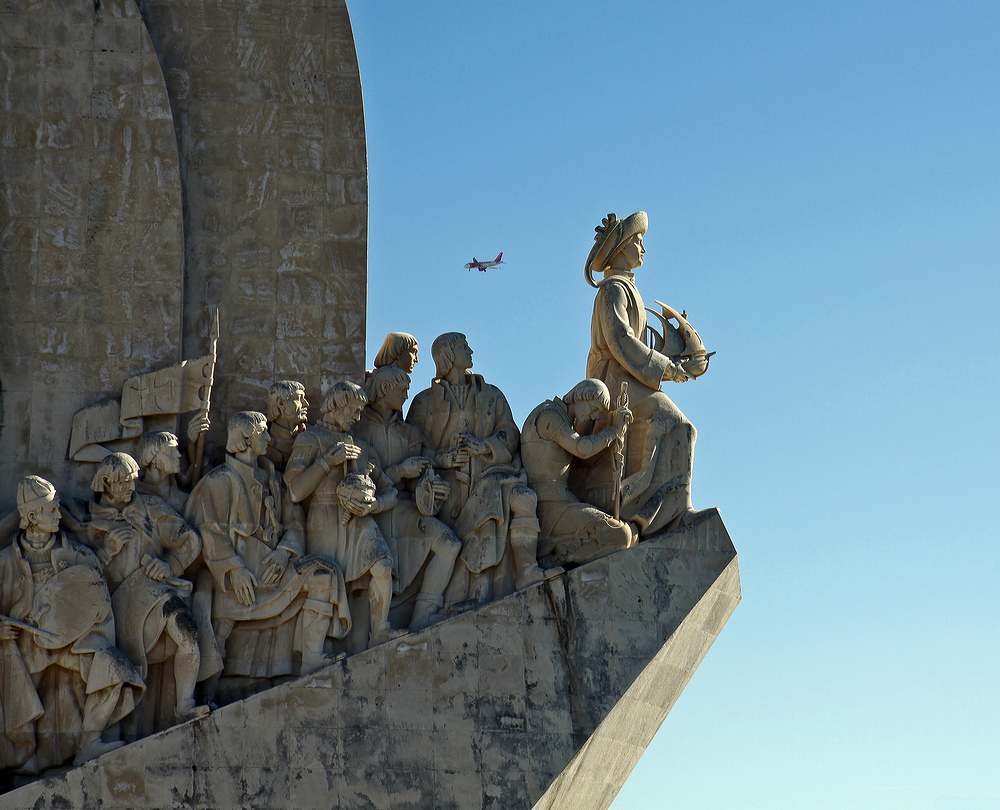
499 257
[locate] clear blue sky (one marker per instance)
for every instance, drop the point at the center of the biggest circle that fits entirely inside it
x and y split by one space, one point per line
823 188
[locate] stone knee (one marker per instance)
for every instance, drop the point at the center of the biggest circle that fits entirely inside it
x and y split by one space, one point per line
446 544
181 626
319 585
523 501
381 573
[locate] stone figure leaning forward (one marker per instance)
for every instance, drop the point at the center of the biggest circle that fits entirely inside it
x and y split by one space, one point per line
656 491
273 606
64 682
469 426
342 485
551 441
145 547
423 548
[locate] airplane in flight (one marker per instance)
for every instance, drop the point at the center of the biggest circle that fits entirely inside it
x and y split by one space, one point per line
482 267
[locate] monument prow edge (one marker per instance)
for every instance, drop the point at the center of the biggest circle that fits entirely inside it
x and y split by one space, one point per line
546 699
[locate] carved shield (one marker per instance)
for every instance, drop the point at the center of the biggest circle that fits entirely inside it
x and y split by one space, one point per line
69 605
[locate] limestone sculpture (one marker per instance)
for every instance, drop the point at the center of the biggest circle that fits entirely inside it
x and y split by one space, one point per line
145 546
490 505
551 440
160 462
423 548
398 349
327 472
273 606
287 417
64 681
655 492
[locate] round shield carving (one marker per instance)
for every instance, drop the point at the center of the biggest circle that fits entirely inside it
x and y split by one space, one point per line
69 605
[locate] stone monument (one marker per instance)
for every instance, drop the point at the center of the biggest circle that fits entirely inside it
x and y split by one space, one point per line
203 605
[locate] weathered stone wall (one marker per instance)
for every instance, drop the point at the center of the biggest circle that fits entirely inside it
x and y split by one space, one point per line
270 125
91 236
134 199
545 698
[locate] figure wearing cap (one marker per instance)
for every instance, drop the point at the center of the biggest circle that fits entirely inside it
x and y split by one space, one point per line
64 681
656 486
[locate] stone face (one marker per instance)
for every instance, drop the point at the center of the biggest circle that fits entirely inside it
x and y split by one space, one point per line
545 699
91 232
267 107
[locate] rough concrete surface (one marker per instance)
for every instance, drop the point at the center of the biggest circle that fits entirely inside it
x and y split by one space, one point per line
546 698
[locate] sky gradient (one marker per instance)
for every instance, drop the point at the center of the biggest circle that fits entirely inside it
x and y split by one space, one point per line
823 190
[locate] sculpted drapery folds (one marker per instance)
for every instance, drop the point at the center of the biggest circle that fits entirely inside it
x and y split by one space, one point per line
490 506
273 606
571 531
342 485
656 491
65 682
145 547
423 548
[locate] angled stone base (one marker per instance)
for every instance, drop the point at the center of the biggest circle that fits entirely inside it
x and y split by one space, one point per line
545 699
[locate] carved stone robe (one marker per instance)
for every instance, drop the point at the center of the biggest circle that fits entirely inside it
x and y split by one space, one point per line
47 684
660 445
357 544
409 532
477 507
243 513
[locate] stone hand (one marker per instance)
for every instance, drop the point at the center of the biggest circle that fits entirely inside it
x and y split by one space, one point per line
197 426
476 447
341 452
622 417
120 535
7 631
675 372
413 467
361 506
243 584
454 458
440 488
156 569
274 564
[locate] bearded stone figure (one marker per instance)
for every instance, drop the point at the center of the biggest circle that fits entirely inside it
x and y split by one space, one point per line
655 486
64 682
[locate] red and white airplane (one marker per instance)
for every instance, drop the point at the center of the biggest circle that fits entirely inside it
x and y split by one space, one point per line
482 267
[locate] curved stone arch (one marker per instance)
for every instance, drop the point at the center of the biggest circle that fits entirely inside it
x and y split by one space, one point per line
91 230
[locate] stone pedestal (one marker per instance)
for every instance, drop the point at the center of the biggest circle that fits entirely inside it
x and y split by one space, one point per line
544 699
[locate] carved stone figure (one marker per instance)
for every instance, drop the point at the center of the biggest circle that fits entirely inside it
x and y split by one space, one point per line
145 547
490 506
273 606
656 491
551 440
398 349
288 416
326 472
160 461
63 679
423 548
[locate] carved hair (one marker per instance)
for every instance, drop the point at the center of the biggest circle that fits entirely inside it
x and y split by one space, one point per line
395 345
384 376
284 390
587 390
32 492
340 394
443 351
153 443
242 426
115 467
